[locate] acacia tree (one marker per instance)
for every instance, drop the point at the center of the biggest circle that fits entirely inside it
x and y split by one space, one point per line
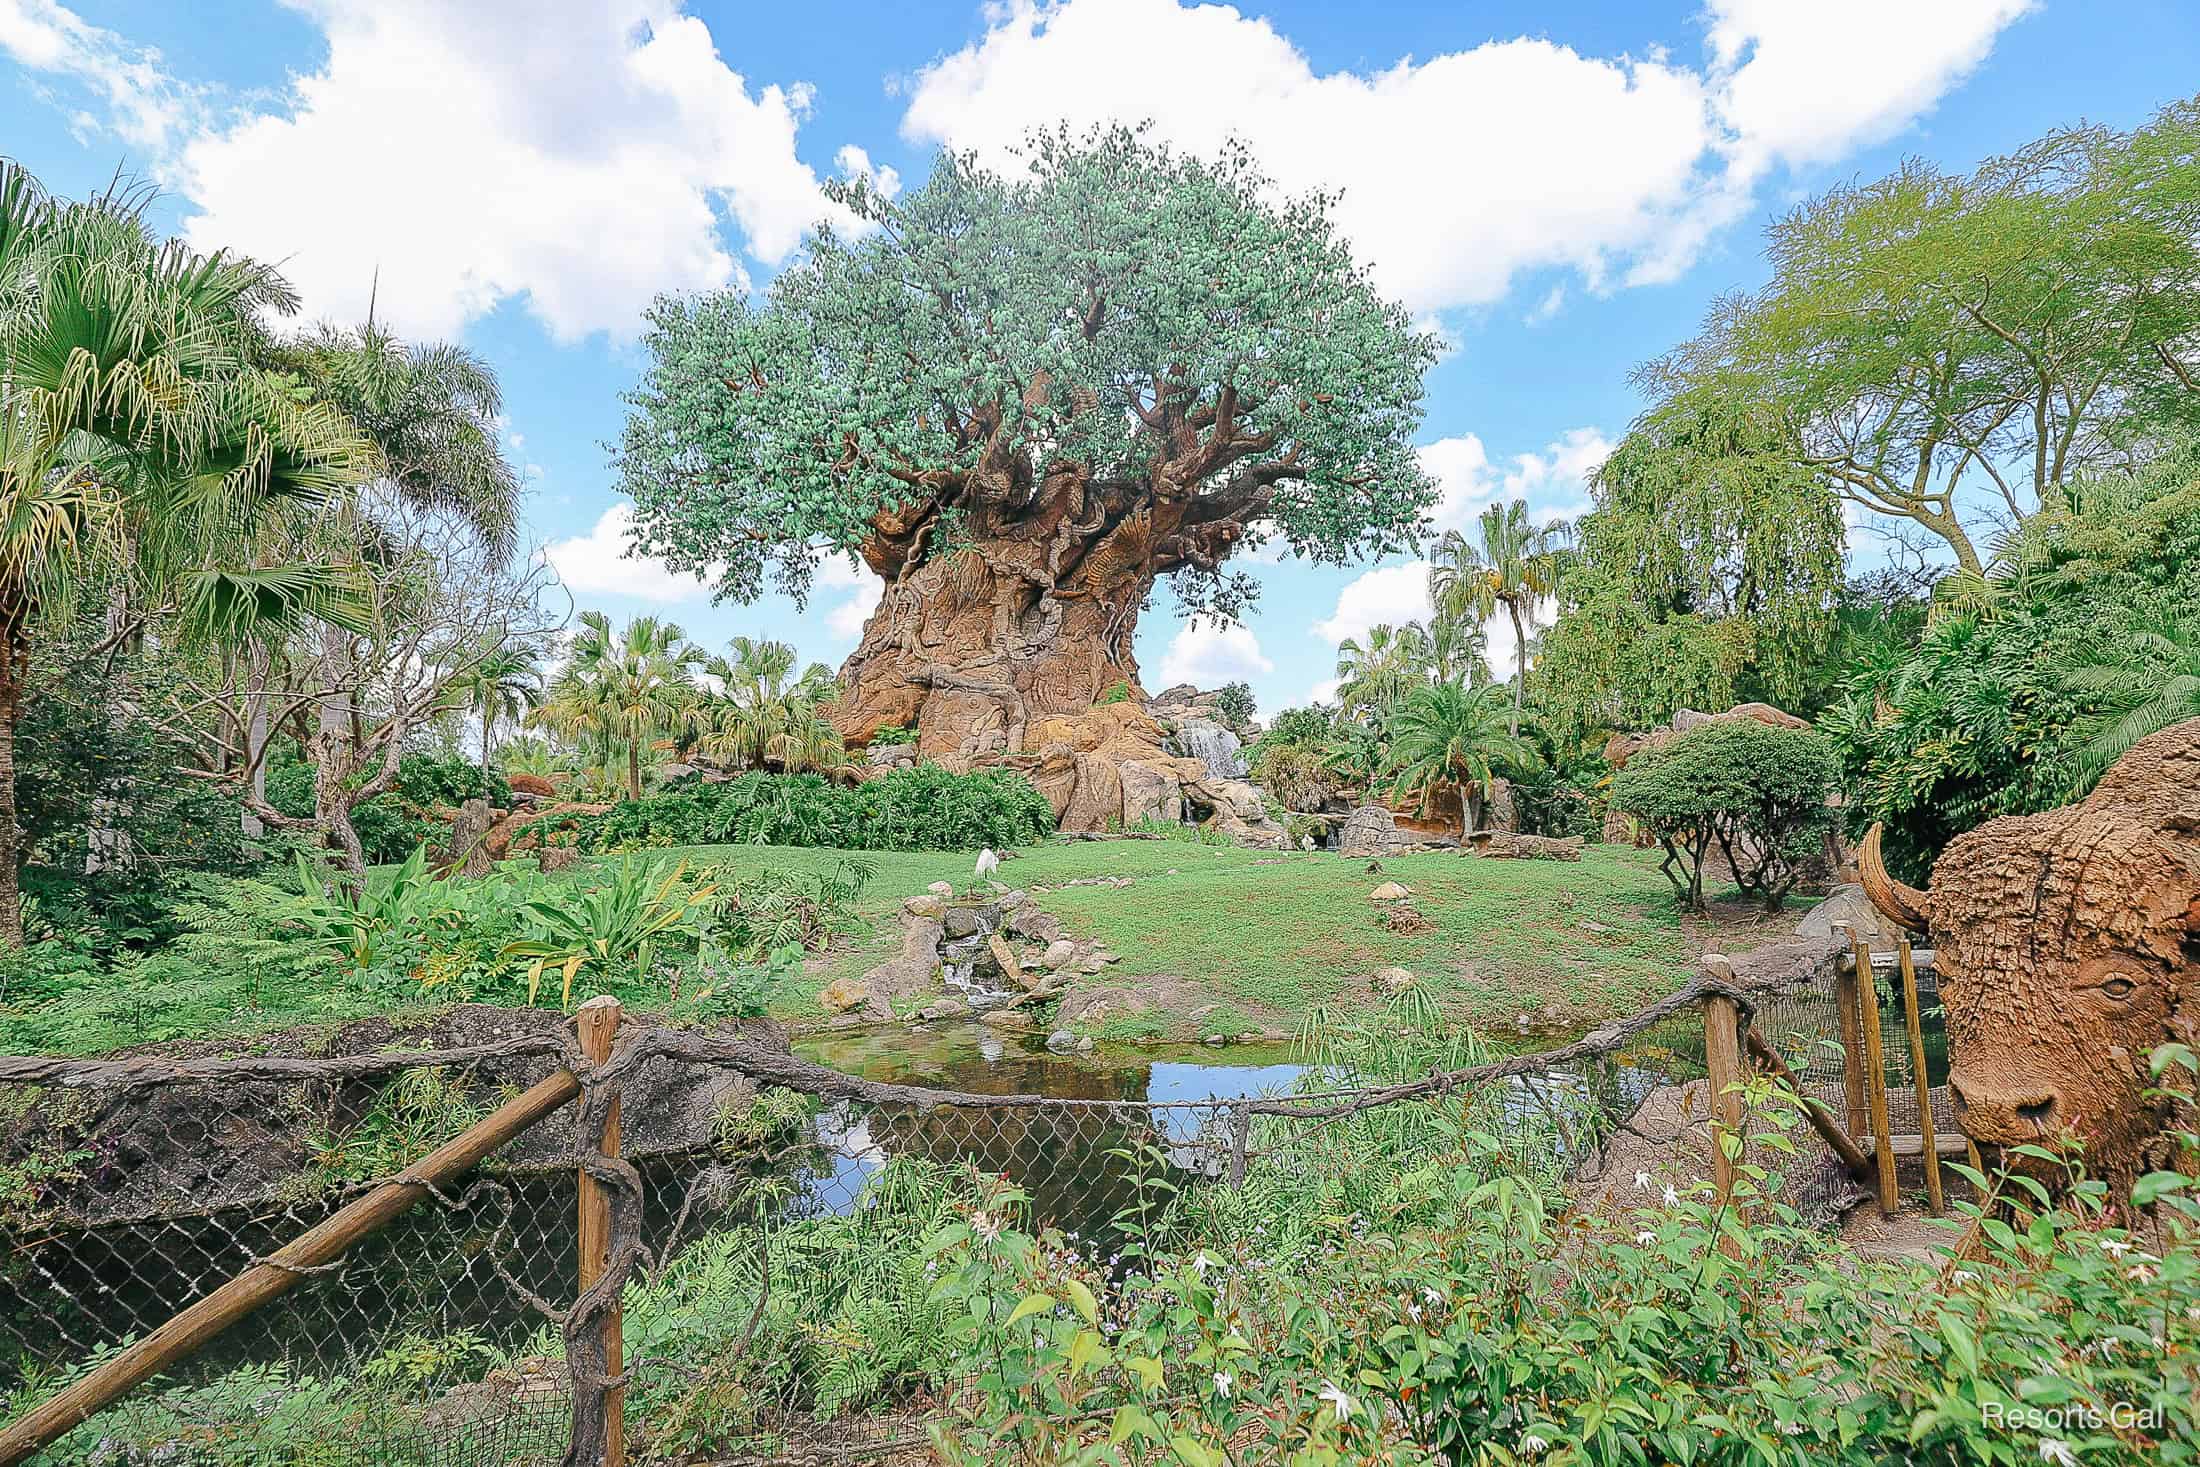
1021 400
1949 349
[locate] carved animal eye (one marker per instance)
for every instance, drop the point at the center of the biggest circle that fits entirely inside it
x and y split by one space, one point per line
2118 987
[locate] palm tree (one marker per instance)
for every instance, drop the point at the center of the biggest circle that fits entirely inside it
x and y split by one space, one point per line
1515 565
623 689
137 436
503 682
2147 682
761 718
1449 738
1374 677
1459 650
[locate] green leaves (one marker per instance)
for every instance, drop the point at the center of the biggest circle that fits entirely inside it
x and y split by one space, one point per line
1091 314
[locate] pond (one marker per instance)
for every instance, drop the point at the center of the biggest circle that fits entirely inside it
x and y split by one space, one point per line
441 1270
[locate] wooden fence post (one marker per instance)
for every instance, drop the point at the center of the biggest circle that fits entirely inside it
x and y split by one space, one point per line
1875 1076
1722 1047
1917 1073
597 1022
1849 1007
283 1270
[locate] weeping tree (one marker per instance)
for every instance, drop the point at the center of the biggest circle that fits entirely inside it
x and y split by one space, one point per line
1020 400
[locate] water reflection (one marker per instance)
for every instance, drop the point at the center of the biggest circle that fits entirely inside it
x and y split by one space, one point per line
1070 1159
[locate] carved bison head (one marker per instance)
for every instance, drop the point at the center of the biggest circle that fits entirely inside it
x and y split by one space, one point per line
2068 949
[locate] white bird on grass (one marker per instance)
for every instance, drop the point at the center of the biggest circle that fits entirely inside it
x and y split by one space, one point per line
988 863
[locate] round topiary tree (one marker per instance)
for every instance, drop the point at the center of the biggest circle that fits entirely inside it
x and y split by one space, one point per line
1020 401
1750 793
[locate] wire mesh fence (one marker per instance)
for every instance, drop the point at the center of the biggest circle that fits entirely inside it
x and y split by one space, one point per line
777 1214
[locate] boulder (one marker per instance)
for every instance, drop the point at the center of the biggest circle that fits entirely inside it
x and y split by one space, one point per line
1060 953
960 922
1390 891
556 858
1390 982
927 905
1034 922
534 786
1371 830
844 994
1150 792
1504 844
941 889
1848 904
1003 954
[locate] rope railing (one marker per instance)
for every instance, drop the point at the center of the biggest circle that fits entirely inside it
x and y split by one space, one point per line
84 1281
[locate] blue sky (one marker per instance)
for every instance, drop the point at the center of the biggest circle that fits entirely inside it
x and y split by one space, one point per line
1560 188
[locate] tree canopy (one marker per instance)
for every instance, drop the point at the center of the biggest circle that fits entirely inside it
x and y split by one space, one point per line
1951 350
1118 333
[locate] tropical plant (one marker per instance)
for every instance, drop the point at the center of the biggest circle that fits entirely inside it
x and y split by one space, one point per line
504 681
764 716
622 689
613 930
1936 347
2147 679
1374 677
436 525
1234 703
136 433
1514 564
1451 740
366 926
921 808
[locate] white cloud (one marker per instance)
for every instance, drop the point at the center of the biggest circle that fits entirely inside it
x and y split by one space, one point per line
1471 167
1207 655
1554 481
144 105
1545 308
844 573
1808 83
1390 593
854 162
572 154
598 563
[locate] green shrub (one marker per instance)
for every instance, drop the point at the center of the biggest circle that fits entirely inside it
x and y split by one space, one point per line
1752 794
392 825
1235 704
891 738
923 808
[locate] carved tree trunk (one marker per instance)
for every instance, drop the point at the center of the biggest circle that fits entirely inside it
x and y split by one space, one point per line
970 658
1031 615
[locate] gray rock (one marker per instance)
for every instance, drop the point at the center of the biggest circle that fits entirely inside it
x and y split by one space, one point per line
960 922
941 889
925 906
1371 830
1060 953
1849 904
1061 1041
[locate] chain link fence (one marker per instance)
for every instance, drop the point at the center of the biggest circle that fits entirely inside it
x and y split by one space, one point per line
766 1225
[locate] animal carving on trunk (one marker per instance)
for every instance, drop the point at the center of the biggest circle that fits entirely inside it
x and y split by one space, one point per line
2068 948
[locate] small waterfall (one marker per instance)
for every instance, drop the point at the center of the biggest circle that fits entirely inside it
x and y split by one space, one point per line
968 967
1212 745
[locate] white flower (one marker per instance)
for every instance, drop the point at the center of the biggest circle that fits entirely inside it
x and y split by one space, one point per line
1963 1276
986 1225
1791 1428
1671 1196
2114 1248
1642 1181
1202 1263
1531 1445
2140 1272
1433 1294
1413 1311
1224 1381
1644 1240
1335 1395
2057 1452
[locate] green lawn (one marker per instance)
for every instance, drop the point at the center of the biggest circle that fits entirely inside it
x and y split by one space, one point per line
1284 930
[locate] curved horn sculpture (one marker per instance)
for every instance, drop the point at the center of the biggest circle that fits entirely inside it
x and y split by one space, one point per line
1903 903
